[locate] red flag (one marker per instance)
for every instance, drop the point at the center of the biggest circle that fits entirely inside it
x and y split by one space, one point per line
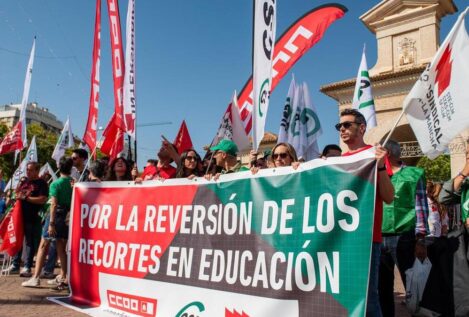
91 125
183 140
118 65
11 231
289 48
113 143
12 140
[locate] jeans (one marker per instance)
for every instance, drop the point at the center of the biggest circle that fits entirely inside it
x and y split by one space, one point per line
32 236
373 308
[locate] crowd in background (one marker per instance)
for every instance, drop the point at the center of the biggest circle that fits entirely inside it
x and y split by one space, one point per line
418 222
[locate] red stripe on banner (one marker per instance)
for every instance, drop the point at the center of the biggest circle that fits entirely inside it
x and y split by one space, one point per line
289 48
117 61
91 126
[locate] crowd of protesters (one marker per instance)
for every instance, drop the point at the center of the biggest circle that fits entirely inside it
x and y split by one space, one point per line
415 219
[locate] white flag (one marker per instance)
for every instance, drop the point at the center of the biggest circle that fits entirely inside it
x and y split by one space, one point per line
263 52
31 156
287 114
363 96
305 127
46 168
311 127
129 78
231 127
437 107
64 142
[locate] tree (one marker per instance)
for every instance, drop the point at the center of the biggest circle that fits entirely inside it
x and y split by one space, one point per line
45 141
438 170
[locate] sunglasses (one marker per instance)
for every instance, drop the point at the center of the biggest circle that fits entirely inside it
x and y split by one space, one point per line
74 158
346 125
283 155
191 158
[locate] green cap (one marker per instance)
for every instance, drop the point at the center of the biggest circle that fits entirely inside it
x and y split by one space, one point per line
226 146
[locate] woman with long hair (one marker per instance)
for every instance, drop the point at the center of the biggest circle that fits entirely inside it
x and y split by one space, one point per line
284 154
190 164
119 170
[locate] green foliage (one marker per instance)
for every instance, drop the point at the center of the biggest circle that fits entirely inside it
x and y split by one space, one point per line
438 169
45 141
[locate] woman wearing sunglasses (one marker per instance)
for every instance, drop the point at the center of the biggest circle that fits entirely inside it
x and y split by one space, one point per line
189 166
283 154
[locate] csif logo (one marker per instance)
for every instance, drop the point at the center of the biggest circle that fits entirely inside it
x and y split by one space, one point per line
192 309
137 305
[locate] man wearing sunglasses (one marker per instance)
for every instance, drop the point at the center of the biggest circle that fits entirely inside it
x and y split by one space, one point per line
352 128
79 157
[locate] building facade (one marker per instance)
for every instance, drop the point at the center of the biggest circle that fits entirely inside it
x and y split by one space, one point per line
408 36
9 115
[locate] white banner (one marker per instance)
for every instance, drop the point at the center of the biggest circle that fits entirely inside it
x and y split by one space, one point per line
46 168
129 78
437 106
263 50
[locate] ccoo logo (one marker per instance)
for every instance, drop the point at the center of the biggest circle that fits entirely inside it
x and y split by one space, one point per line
141 306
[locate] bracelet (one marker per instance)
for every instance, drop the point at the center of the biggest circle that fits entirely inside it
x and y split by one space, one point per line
51 223
380 169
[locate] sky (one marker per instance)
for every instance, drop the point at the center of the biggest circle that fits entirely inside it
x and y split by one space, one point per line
190 57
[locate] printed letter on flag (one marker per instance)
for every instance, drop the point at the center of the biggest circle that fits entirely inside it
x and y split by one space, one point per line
363 96
92 124
289 48
287 114
117 60
64 142
17 139
129 79
265 13
437 107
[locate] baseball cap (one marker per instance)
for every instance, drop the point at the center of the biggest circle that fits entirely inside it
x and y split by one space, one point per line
226 146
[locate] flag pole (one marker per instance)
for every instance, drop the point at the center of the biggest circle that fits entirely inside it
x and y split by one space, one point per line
393 128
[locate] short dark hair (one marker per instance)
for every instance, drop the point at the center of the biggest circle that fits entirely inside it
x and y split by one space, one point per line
98 168
65 165
152 162
359 118
82 153
330 147
34 164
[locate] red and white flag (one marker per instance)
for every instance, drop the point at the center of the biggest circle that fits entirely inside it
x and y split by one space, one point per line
129 79
265 13
303 34
437 106
92 124
12 231
183 140
17 139
118 67
113 143
231 127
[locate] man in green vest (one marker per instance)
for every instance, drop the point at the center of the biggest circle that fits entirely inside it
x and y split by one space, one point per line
404 221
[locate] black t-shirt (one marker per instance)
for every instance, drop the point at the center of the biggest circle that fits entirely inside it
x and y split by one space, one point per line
37 187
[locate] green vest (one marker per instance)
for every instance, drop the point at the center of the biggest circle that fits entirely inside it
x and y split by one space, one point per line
399 216
465 200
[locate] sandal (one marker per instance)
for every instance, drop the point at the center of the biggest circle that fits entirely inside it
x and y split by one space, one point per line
62 286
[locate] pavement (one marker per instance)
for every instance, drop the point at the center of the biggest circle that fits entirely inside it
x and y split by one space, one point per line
19 301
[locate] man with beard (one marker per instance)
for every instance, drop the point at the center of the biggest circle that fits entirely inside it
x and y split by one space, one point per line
163 168
352 127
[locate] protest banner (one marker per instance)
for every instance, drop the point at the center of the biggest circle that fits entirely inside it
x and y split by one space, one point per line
282 242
